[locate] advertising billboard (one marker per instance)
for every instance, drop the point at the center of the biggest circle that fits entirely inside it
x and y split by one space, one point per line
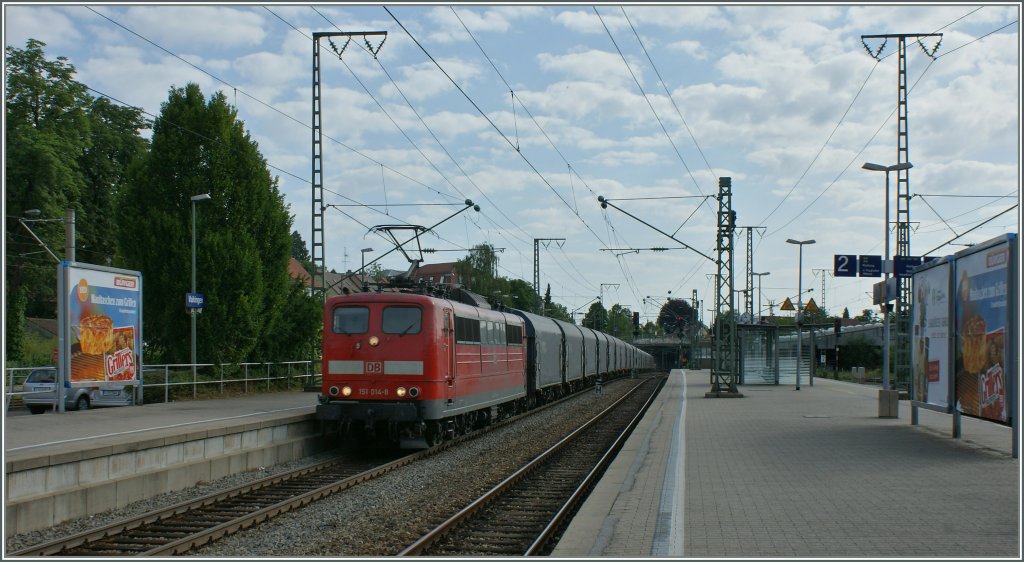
931 335
102 317
985 329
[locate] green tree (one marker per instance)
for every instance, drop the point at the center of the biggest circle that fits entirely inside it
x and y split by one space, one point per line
596 317
620 322
243 238
675 317
858 351
846 313
558 312
868 315
46 129
520 295
477 270
115 144
65 149
301 252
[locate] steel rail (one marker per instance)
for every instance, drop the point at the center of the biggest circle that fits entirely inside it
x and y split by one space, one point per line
568 509
467 512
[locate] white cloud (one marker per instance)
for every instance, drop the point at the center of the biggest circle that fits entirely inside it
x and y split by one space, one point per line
195 27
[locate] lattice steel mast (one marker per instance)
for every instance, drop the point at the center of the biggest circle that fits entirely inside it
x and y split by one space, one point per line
901 353
536 269
317 249
723 368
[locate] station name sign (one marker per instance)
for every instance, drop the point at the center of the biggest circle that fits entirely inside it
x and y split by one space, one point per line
195 300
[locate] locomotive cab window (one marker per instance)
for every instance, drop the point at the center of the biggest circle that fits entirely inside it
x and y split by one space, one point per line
401 320
351 319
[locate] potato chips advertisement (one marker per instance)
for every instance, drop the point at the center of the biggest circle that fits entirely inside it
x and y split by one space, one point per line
931 335
104 313
982 335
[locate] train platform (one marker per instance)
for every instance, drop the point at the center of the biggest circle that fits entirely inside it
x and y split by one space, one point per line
62 466
809 473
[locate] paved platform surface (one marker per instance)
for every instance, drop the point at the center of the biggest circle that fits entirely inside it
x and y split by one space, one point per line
54 434
810 473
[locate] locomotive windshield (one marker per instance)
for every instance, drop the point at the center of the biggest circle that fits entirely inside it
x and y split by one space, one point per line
351 319
401 320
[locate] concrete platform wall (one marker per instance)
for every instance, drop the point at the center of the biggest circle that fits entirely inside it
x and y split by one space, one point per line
46 490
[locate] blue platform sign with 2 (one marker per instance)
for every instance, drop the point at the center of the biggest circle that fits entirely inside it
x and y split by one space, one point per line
844 265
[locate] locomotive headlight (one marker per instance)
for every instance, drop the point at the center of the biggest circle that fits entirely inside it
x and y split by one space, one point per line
346 391
374 340
400 391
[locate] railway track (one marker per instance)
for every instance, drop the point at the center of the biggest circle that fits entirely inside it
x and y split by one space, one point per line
525 514
182 527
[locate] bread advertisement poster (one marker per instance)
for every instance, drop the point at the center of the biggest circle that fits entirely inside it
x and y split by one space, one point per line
981 309
104 313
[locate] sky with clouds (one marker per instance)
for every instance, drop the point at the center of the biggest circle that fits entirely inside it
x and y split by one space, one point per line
535 111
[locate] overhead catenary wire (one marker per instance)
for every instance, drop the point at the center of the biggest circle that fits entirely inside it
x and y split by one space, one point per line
493 125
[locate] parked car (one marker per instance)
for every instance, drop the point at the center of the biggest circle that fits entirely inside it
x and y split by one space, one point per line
41 393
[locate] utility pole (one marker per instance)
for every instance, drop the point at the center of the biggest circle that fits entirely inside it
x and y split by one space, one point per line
902 347
536 268
317 248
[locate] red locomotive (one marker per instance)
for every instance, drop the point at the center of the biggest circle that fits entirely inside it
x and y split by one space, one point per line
416 369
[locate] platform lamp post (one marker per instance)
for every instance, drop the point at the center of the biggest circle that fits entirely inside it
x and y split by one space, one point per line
799 302
362 268
192 311
885 268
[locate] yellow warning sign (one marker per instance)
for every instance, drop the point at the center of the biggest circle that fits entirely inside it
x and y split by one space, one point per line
787 305
811 306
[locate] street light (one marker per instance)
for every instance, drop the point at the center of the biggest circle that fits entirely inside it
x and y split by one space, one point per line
799 301
885 267
759 275
362 268
192 311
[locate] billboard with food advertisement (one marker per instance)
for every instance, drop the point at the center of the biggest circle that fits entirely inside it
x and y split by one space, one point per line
985 328
102 323
931 334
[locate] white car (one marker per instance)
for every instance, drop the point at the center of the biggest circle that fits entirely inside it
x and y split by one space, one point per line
41 394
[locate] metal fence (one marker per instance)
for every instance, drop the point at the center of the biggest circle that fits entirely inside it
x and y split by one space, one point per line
178 381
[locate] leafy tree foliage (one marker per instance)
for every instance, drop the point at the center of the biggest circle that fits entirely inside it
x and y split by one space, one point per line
64 149
301 252
596 317
859 352
553 309
620 322
675 317
253 309
868 315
